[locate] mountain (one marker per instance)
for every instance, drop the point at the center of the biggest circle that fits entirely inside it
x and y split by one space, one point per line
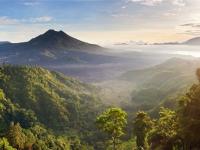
58 51
53 40
4 42
167 43
52 47
193 41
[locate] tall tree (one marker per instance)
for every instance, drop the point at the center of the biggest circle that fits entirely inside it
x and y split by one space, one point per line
112 122
164 133
16 136
189 117
142 125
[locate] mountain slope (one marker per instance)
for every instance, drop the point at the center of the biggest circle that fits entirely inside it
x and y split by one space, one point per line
19 123
53 40
52 47
59 102
193 41
158 83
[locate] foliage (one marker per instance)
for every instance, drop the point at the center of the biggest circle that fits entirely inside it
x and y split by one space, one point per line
128 145
38 101
16 136
44 110
142 125
164 131
189 118
112 122
5 145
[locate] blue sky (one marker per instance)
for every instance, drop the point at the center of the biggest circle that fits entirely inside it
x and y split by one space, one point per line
101 21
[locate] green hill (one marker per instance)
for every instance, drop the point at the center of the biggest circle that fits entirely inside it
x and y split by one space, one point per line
56 102
158 83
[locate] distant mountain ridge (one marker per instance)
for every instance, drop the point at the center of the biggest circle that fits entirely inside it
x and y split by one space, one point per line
4 42
51 48
52 40
193 41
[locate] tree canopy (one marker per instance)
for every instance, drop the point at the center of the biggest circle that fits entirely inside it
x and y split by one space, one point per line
112 122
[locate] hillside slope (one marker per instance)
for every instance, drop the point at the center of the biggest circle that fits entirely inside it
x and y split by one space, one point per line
158 83
59 102
193 41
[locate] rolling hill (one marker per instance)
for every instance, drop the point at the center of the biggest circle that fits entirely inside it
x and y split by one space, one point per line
58 102
50 107
162 82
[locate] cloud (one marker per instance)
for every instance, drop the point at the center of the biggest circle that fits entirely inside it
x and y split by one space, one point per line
147 2
170 14
30 3
157 2
123 7
4 20
190 29
179 2
191 32
192 25
41 19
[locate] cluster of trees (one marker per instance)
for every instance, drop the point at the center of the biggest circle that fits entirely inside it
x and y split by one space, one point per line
30 134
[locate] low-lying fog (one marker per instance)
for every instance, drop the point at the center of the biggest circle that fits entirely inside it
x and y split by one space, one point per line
106 74
188 50
125 58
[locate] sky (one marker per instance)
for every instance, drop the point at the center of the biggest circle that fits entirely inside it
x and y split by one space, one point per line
101 21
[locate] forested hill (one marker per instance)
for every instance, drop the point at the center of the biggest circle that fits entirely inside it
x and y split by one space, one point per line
161 83
33 96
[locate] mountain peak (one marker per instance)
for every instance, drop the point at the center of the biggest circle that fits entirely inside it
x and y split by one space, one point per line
52 39
54 32
50 35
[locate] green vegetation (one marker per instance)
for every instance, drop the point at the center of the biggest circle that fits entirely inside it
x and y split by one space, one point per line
142 125
176 130
159 85
112 122
44 110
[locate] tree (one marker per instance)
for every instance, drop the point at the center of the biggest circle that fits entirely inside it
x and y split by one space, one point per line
198 74
29 139
189 117
164 133
5 145
112 122
16 136
142 125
